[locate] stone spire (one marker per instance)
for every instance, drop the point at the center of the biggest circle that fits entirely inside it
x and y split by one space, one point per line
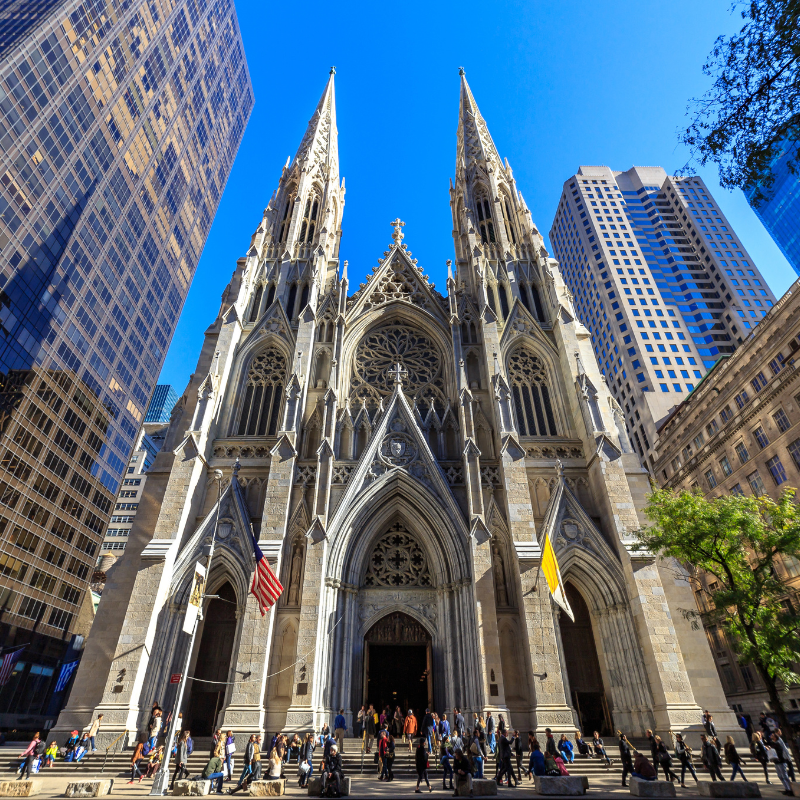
475 145
320 145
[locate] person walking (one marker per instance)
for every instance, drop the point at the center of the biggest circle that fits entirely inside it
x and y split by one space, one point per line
504 760
421 764
371 728
733 758
306 757
358 725
490 735
181 759
787 755
409 729
29 754
783 758
445 758
397 722
711 729
230 749
93 728
626 756
136 758
256 763
651 739
684 754
665 759
711 757
383 759
759 751
477 753
428 727
550 743
444 727
458 722
340 729
519 752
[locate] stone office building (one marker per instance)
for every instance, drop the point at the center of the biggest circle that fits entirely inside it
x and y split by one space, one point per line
398 452
739 433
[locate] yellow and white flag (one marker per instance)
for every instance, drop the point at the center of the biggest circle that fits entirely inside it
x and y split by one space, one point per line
553 576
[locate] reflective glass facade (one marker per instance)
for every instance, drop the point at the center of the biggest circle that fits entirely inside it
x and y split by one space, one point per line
164 399
778 205
119 124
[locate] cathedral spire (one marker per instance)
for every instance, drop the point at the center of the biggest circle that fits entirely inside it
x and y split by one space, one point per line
320 145
475 145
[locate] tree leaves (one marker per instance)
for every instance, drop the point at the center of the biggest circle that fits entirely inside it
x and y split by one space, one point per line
751 114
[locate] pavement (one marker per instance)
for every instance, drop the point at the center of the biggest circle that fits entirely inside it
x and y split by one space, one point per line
367 786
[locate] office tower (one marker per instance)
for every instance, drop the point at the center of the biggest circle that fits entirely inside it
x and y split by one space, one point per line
660 279
119 124
777 204
164 399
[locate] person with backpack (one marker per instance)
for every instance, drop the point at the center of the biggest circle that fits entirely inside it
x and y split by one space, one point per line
409 729
29 754
711 758
684 754
665 760
781 759
733 758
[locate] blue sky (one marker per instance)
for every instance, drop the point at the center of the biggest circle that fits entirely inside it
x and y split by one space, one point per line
561 83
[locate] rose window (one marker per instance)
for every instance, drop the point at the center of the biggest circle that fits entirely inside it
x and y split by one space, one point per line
397 560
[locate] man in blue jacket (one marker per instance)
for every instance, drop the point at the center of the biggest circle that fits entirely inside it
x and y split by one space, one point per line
339 729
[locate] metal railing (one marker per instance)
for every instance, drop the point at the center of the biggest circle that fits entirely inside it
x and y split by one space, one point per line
113 744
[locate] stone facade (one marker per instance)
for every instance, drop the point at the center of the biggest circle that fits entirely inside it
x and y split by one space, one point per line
399 453
739 433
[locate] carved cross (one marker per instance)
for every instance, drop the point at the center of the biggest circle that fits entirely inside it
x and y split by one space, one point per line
398 373
398 233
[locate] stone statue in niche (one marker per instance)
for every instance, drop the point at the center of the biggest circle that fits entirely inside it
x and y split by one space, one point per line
500 587
295 576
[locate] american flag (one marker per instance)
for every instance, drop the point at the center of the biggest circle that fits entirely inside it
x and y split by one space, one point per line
10 659
265 587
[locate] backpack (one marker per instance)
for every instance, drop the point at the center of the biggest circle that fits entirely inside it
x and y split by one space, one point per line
40 748
189 746
147 748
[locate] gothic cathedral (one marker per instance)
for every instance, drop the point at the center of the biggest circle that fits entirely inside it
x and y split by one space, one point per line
398 453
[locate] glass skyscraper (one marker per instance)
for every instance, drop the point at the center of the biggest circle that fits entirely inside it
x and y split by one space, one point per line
164 399
119 123
778 205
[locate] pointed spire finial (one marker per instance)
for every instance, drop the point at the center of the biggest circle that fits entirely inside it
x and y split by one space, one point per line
559 468
398 233
398 373
333 71
236 467
461 71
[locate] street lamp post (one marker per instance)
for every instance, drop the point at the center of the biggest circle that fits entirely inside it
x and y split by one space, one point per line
161 780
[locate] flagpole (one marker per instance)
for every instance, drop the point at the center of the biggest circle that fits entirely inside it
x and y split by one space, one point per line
161 780
560 473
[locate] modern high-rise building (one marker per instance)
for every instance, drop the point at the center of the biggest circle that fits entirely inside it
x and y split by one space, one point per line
119 124
661 281
777 204
164 399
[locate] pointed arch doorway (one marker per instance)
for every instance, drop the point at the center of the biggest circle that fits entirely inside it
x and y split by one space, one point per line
213 662
583 667
398 665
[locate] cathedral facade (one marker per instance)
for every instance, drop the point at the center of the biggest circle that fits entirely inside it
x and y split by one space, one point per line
398 453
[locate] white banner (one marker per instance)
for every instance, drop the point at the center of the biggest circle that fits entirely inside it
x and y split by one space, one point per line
195 598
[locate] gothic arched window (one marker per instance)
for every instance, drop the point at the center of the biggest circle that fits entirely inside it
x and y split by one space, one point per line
303 298
397 560
503 292
485 222
309 224
531 395
263 395
523 294
286 220
508 219
537 303
291 301
256 304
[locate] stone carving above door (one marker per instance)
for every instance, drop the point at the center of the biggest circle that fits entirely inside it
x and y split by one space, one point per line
397 628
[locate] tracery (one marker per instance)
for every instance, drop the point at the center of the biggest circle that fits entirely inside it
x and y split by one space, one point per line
531 394
264 393
397 560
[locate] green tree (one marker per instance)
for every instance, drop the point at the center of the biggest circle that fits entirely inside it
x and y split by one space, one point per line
739 541
753 106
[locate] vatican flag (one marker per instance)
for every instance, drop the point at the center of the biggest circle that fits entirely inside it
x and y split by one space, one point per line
553 577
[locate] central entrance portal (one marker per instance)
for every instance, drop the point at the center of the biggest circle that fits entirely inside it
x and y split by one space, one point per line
397 665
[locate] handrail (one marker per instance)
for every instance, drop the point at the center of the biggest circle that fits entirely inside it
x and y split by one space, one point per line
102 769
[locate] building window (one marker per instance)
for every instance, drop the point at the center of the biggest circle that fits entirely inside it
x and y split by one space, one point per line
262 402
698 440
712 481
287 219
531 395
508 220
792 566
309 224
741 451
712 427
256 304
759 382
725 465
736 489
756 484
776 365
776 470
760 437
726 413
485 223
741 399
794 452
781 420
